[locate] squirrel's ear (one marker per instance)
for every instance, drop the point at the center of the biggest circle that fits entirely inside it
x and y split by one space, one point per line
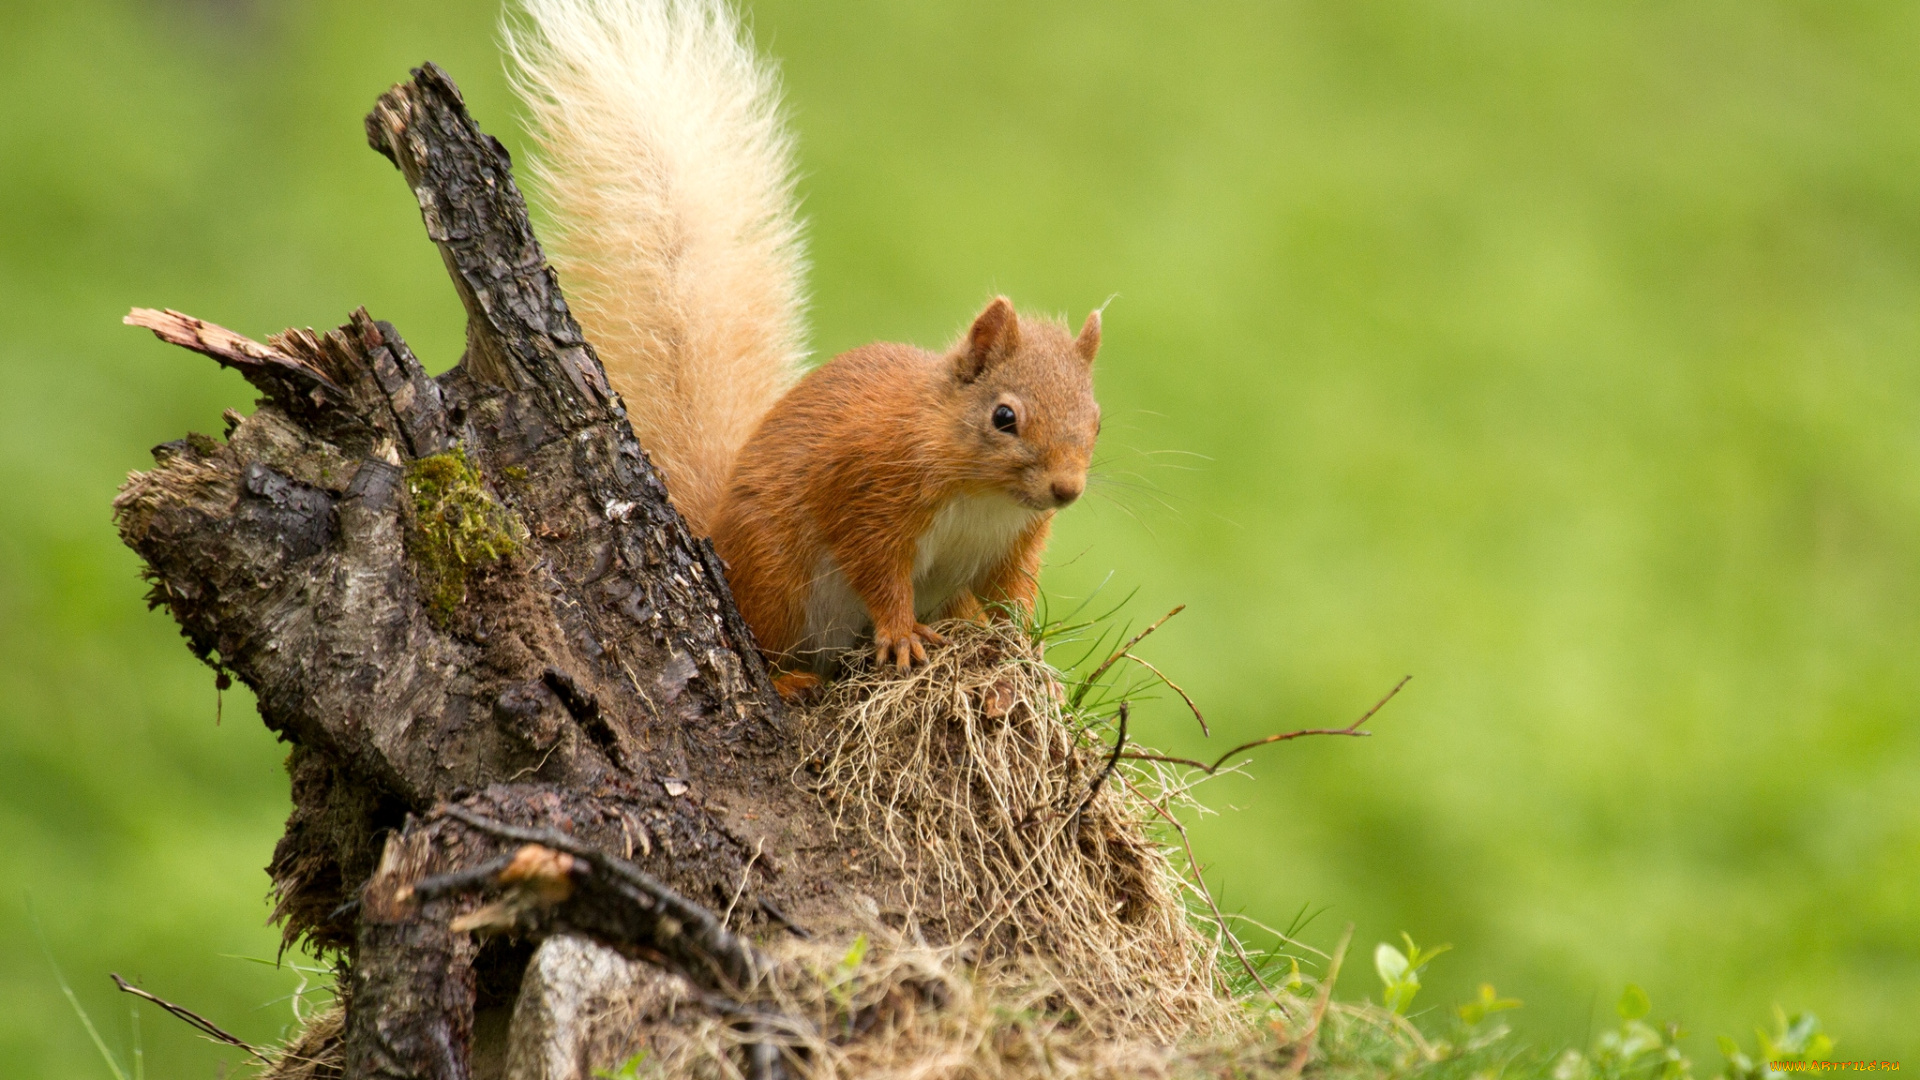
994 336
1088 343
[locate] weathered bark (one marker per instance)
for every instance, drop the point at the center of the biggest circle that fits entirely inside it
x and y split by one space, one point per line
540 641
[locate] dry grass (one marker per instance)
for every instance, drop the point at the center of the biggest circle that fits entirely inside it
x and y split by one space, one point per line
970 776
910 1012
314 1053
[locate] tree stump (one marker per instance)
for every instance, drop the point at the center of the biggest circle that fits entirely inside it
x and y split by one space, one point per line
497 652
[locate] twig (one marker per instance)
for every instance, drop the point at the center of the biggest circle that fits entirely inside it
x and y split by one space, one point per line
737 960
535 769
734 959
1113 762
745 873
1200 885
202 1024
1087 683
1303 1051
773 911
473 877
1352 729
1176 689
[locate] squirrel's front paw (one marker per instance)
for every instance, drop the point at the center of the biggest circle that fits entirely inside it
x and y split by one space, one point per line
905 649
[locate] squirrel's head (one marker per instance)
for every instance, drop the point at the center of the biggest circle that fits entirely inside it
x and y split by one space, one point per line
1027 408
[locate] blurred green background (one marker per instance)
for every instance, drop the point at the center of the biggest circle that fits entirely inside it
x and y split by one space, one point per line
1561 355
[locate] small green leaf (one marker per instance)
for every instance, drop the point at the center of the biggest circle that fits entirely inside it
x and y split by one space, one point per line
1295 981
1634 1003
628 1070
858 952
1486 1003
840 981
1390 962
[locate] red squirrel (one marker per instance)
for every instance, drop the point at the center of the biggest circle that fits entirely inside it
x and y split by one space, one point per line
895 486
886 489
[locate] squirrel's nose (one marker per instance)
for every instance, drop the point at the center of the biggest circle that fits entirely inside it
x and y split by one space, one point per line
1065 491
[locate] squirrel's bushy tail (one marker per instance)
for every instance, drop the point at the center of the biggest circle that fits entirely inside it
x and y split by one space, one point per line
666 167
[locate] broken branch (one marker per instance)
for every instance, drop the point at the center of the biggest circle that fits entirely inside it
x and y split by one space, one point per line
1175 687
1087 683
230 349
1352 729
199 1023
1113 762
634 909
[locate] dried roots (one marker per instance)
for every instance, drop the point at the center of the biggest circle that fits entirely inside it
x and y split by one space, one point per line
971 776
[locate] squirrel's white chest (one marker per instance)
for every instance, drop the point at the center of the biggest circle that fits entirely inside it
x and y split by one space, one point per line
969 537
967 540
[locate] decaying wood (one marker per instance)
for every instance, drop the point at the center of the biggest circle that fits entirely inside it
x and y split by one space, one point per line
573 886
562 664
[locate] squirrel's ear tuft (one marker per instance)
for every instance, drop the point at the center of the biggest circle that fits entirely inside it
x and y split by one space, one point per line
1088 343
994 336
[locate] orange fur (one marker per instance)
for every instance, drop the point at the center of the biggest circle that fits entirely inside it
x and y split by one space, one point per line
876 492
879 492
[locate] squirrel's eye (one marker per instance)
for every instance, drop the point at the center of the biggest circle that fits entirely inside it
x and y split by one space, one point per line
1005 420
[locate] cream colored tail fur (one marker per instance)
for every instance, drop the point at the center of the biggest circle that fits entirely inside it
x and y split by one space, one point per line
667 169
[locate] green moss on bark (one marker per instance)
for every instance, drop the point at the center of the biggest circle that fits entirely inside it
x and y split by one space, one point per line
457 530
